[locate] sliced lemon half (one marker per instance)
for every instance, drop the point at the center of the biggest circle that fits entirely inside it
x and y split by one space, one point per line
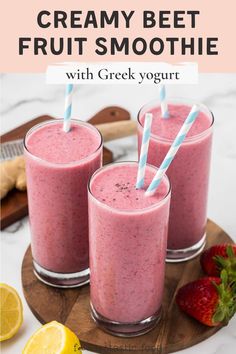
11 312
53 338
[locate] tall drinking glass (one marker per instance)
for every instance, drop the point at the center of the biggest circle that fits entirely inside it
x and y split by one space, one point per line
58 167
188 173
127 240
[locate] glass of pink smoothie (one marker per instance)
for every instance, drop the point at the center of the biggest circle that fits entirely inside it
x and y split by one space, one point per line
58 167
127 244
188 173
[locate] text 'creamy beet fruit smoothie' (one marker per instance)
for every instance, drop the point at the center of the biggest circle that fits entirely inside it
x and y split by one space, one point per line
58 167
127 244
188 173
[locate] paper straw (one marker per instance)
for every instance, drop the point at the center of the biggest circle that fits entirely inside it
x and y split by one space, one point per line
68 106
144 150
173 150
164 107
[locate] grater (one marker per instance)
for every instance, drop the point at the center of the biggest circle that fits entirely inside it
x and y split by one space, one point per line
11 149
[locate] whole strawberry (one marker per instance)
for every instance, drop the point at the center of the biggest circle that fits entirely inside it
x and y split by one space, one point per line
219 257
209 300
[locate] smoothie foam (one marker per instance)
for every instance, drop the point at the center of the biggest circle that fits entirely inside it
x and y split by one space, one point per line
117 188
52 144
168 128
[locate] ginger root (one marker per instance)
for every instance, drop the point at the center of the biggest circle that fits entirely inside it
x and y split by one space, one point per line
12 175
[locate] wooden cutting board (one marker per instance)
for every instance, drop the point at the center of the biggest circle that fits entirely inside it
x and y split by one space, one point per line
174 332
15 206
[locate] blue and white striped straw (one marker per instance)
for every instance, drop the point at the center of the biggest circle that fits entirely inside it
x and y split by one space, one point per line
173 150
68 107
164 107
144 150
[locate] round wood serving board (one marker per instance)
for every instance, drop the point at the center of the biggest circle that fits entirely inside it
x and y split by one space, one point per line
174 332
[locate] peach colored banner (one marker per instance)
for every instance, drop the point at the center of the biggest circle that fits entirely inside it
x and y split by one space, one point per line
215 20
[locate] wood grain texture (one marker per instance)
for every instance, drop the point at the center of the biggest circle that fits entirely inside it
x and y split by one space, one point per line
15 206
175 331
117 130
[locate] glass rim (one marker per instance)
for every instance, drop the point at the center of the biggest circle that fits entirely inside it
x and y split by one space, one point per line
180 100
58 164
125 211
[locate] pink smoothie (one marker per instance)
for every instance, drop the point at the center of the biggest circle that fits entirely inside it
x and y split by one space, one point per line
128 235
58 167
188 173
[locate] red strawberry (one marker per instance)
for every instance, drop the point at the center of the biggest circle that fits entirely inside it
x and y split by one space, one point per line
209 300
219 257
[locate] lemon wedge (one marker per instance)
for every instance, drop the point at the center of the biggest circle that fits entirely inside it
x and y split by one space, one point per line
11 312
53 338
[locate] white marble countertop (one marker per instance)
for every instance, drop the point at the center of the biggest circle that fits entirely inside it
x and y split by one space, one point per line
25 96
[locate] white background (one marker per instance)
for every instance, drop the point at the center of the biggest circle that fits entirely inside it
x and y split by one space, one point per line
25 96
